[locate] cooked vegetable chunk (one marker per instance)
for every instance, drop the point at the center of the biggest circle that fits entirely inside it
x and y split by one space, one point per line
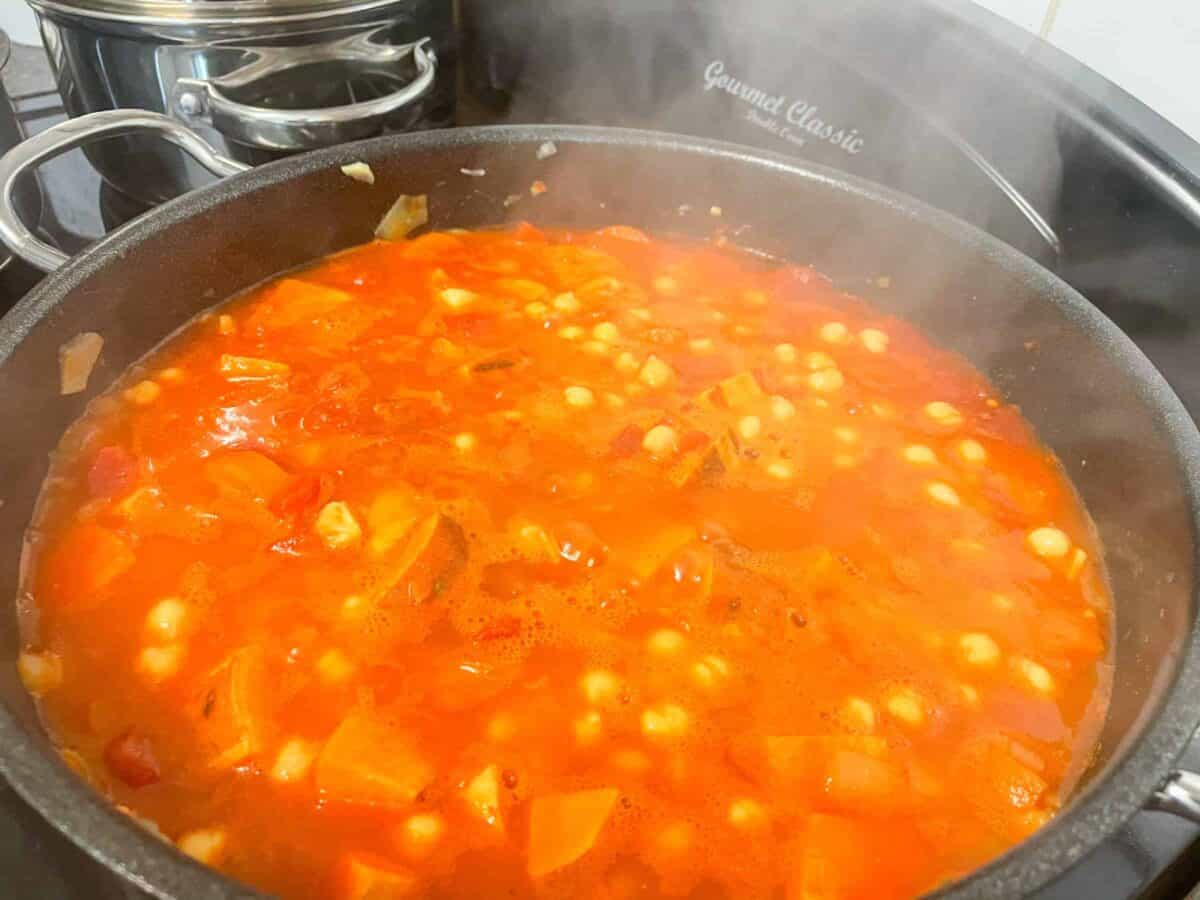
368 761
563 827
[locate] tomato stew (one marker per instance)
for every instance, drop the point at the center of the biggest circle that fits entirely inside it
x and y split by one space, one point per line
564 564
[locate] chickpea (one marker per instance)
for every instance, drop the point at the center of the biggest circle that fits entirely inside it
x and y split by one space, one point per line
1049 542
786 353
579 397
655 373
874 340
666 642
907 706
668 721
834 333
661 441
943 413
827 380
749 427
979 649
940 492
919 454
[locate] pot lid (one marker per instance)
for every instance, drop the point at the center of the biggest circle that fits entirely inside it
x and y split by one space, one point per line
199 12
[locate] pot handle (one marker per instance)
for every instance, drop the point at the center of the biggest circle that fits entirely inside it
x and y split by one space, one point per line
1179 795
209 101
22 159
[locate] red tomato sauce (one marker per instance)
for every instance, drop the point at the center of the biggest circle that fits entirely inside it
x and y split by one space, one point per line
566 564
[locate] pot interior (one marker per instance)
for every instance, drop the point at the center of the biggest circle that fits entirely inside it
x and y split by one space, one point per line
1123 440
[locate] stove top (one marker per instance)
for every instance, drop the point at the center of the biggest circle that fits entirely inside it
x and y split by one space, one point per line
955 107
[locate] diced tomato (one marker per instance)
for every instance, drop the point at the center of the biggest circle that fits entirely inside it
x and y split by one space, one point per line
471 326
112 472
293 301
579 544
830 864
700 370
499 629
247 473
1000 784
304 495
87 560
130 757
344 381
364 876
859 783
628 441
660 545
797 766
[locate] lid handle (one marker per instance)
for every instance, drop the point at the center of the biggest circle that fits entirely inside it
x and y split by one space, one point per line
209 101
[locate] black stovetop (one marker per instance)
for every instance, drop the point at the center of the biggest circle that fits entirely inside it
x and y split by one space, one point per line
1119 220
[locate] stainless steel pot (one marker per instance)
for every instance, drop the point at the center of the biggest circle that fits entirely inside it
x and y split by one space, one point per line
255 78
16 276
10 135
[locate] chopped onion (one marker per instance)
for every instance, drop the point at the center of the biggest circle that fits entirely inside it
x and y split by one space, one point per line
76 359
407 213
474 173
359 171
547 150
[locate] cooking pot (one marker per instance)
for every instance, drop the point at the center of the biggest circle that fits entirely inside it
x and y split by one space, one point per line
15 276
1121 434
257 78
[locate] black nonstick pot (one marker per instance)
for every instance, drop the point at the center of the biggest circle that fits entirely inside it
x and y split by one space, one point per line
1122 435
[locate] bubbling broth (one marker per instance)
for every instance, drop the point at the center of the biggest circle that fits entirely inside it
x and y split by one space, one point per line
555 564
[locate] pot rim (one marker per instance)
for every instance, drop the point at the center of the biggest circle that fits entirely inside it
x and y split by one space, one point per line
112 839
219 13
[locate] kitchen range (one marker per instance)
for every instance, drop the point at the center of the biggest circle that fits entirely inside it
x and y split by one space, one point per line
947 104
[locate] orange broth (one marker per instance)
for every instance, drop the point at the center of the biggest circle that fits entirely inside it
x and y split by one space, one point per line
566 564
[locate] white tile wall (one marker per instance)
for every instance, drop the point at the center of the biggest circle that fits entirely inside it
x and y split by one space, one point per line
1151 48
17 20
1029 14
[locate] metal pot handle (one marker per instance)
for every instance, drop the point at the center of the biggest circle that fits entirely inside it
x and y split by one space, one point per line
1179 795
207 101
54 141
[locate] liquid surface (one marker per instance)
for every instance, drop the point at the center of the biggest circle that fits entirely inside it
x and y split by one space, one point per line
565 565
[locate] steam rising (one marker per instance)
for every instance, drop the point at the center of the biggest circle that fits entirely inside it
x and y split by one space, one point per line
875 93
872 90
